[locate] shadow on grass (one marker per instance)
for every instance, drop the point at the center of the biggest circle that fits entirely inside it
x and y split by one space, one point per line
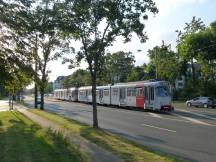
96 136
24 141
125 148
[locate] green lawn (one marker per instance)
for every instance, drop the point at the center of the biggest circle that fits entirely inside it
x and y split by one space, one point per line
128 151
180 104
21 140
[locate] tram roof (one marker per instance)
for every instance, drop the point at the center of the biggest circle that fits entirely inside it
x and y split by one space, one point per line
146 82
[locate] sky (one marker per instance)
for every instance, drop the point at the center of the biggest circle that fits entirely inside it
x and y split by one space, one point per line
173 14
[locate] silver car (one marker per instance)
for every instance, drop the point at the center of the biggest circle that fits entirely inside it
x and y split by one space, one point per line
201 102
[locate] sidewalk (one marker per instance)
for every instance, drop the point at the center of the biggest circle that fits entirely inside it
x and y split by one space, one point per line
4 105
96 153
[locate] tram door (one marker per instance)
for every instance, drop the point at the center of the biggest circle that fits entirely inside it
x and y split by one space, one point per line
149 97
122 96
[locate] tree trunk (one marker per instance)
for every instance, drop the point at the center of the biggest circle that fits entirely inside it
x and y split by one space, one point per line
9 101
12 103
94 104
36 70
36 95
42 98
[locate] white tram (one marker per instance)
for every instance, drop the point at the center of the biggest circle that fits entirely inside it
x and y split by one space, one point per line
153 95
70 94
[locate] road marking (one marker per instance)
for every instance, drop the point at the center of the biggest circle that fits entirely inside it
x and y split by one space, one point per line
151 126
193 120
202 115
155 115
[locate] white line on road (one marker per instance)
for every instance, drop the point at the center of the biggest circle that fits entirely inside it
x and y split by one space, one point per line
193 120
155 115
202 115
169 130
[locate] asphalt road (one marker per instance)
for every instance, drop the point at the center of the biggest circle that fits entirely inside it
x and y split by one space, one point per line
188 134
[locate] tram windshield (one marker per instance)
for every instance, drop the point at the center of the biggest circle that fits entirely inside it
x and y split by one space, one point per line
162 91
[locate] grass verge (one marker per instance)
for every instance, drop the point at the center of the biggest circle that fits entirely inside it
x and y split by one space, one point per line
127 150
180 104
21 140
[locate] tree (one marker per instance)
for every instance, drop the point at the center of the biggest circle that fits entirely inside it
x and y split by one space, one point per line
97 24
19 25
34 29
203 44
194 26
117 66
79 78
165 62
19 80
138 73
49 41
49 88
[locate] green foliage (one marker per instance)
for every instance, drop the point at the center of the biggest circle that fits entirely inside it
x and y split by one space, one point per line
193 26
117 66
32 36
187 52
201 46
49 88
191 90
165 62
97 24
3 92
79 78
138 73
127 150
23 140
83 20
198 43
19 81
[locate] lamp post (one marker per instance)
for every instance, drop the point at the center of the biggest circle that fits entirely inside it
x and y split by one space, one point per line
156 76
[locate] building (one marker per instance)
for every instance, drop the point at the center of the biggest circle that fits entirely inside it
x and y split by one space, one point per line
58 83
179 83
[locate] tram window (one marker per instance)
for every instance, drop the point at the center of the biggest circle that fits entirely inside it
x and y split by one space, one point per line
152 93
89 92
133 91
106 92
101 93
129 91
115 92
81 93
139 92
162 91
97 92
122 93
146 93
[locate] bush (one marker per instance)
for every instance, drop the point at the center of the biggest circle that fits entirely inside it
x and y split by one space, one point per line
192 90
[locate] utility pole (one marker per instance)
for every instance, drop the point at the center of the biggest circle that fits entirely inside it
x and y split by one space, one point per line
35 78
156 76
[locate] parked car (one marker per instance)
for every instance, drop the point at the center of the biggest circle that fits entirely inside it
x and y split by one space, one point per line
201 102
